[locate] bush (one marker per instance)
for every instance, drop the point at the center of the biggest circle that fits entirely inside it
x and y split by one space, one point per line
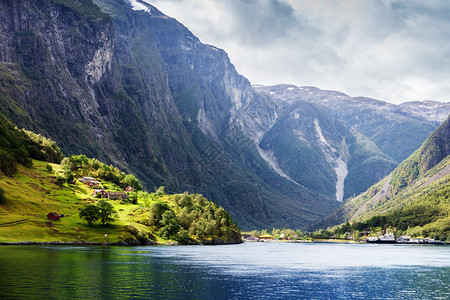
60 180
49 168
2 196
7 163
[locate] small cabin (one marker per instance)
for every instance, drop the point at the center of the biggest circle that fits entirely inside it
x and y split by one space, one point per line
86 179
129 189
53 216
92 183
118 195
100 192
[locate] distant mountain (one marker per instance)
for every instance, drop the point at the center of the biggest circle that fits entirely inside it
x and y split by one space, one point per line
398 130
336 144
416 193
427 110
310 146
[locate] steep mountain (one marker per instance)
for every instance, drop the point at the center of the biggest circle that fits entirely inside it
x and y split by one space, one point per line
397 130
138 90
416 193
310 146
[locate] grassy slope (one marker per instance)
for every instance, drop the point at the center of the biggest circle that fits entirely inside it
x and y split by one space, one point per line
378 200
32 193
416 193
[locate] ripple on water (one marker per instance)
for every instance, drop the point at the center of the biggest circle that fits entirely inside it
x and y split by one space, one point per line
254 271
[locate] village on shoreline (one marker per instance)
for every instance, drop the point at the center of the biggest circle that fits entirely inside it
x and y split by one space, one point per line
382 239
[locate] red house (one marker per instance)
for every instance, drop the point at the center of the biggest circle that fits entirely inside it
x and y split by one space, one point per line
99 191
129 189
53 216
92 183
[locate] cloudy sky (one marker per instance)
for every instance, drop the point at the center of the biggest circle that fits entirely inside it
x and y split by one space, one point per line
392 50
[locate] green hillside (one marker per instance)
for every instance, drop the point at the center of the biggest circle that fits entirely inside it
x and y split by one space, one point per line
413 199
30 189
33 192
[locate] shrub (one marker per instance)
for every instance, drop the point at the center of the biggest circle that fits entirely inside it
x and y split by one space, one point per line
7 163
2 196
60 180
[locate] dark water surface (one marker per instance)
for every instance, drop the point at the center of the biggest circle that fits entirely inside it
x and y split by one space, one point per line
252 270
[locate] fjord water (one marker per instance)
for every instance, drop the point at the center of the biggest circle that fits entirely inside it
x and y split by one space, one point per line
252 270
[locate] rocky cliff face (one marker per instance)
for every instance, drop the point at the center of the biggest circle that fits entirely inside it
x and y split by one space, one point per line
314 147
48 68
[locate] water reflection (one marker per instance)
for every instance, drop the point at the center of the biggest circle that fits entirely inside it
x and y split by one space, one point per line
259 270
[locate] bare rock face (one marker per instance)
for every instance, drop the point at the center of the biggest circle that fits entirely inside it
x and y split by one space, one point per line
53 59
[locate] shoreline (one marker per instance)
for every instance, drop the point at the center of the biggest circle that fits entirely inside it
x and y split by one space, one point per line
324 241
207 243
125 244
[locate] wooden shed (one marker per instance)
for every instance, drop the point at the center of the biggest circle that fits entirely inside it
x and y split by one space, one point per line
53 216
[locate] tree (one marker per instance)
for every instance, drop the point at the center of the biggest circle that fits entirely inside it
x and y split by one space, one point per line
7 163
299 233
183 236
60 180
107 212
160 191
131 180
184 218
90 213
2 196
254 233
68 175
169 225
156 211
134 198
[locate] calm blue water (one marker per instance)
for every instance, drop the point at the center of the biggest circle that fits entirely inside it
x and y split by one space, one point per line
252 270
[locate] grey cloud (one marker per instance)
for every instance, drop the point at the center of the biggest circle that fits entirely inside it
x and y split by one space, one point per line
261 22
394 50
